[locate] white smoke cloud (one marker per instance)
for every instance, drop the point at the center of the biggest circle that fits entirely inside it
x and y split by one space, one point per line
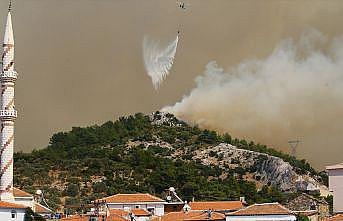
158 61
295 92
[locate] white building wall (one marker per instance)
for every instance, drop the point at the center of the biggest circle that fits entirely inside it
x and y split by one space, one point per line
115 206
5 214
336 187
262 218
143 218
24 201
158 208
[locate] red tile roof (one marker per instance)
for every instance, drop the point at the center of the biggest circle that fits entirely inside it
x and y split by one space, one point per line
123 213
20 193
86 218
191 216
132 198
118 212
4 204
140 212
217 205
41 209
262 209
115 217
75 218
338 217
205 216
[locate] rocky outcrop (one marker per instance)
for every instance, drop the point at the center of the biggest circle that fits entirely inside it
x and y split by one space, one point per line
261 168
159 118
269 170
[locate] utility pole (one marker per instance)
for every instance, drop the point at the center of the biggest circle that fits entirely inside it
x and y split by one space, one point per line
293 144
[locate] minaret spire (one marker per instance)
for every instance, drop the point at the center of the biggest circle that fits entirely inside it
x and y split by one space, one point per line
8 114
8 37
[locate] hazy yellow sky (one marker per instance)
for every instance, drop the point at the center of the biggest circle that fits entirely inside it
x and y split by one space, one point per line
80 61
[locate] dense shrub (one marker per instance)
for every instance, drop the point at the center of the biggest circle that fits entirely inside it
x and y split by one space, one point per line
92 162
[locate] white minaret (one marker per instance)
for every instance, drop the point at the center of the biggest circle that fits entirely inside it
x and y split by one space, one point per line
8 114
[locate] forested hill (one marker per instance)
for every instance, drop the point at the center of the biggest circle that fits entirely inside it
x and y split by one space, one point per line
152 153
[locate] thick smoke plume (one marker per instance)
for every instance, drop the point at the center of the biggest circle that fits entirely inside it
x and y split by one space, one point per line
295 92
158 61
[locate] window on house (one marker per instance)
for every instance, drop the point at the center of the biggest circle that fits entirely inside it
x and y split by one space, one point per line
13 214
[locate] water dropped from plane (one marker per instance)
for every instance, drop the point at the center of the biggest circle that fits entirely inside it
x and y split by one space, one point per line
158 61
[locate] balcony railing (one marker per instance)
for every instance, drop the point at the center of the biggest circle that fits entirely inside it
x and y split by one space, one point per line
9 74
8 113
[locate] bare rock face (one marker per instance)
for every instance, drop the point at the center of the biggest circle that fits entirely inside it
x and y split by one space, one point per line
261 168
159 118
266 169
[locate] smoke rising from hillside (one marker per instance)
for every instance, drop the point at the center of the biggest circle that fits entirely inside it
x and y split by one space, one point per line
158 61
295 92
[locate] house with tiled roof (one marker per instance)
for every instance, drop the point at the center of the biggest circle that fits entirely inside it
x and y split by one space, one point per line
264 211
335 173
137 214
207 215
112 215
12 211
22 201
218 206
191 216
22 197
129 202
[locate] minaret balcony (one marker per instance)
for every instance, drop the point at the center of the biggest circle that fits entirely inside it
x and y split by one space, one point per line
8 114
9 76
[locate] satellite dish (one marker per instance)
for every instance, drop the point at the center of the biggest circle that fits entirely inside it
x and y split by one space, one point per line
39 192
169 198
